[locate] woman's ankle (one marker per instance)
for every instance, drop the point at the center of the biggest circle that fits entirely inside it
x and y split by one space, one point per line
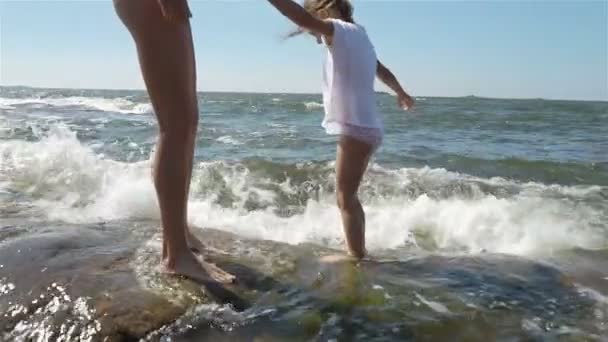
358 254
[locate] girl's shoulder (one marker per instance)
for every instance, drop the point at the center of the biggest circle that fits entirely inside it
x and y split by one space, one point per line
347 26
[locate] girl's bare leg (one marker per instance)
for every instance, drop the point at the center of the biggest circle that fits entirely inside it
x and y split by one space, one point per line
351 162
166 57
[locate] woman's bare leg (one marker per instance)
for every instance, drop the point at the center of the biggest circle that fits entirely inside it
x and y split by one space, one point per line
351 162
166 57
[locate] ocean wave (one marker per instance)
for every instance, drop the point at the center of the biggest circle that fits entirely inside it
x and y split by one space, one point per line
117 105
547 171
427 208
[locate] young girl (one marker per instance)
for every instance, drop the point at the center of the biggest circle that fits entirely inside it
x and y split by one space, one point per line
349 99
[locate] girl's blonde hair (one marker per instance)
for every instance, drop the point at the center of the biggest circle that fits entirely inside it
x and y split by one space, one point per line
344 7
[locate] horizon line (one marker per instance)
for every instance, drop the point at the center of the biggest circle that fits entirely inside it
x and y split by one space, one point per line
312 93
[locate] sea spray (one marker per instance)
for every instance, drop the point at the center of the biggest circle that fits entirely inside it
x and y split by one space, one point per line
429 208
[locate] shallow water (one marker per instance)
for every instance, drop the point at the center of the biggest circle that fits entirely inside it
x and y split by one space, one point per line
487 219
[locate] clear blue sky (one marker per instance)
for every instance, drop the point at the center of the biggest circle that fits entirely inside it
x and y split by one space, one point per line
549 49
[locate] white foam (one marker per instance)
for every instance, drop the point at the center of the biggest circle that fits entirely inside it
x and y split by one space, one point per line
598 297
71 183
226 139
488 224
435 306
280 128
443 177
313 105
117 105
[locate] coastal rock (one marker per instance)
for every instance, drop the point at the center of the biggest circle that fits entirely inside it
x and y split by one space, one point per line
102 283
87 283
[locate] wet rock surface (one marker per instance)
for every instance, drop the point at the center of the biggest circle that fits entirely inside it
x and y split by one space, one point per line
102 283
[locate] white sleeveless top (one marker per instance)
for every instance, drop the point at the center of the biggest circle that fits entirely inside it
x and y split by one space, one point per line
348 82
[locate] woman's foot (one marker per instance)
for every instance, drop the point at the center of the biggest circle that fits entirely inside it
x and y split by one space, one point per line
350 257
186 264
195 244
359 255
337 258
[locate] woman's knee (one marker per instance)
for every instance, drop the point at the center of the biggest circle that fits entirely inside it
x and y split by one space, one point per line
180 126
346 199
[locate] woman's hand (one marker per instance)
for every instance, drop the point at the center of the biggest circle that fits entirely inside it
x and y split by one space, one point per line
175 11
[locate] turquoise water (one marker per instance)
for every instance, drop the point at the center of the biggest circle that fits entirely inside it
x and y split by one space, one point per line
508 196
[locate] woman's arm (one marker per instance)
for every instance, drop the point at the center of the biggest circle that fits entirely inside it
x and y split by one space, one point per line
303 19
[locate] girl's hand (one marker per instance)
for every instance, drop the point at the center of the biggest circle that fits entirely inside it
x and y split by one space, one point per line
405 101
175 11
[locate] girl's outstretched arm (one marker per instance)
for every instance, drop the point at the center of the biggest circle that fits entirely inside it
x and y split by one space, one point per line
303 19
387 77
